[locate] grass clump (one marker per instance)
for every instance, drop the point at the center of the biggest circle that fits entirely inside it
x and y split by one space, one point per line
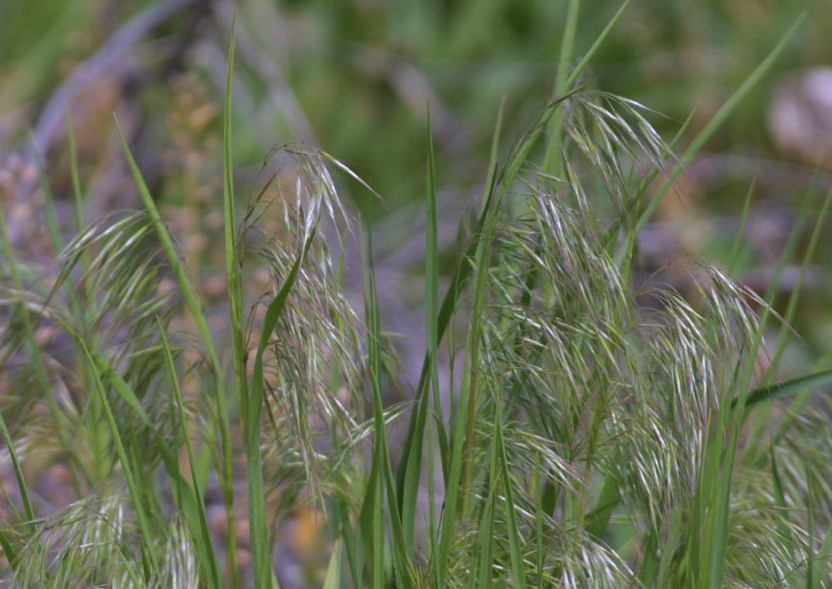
595 429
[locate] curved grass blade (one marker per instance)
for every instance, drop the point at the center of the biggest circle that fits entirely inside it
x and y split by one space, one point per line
785 388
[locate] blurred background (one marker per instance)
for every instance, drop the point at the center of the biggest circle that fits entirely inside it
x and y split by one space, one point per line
354 77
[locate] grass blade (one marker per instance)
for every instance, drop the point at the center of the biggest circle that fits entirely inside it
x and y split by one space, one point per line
599 40
334 570
199 527
567 47
235 297
515 540
232 261
134 484
598 519
718 120
409 491
785 388
373 508
207 339
259 538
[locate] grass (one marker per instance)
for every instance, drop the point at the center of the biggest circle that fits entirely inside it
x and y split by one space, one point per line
572 427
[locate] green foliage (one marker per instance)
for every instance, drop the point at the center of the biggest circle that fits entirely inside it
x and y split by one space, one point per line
599 434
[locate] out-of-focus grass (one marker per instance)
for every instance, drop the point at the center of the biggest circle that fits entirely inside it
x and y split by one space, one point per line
357 68
369 67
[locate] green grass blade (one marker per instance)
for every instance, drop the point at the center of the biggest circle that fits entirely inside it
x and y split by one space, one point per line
409 491
18 471
77 195
451 507
823 557
812 580
401 548
232 260
515 540
785 388
402 552
498 185
373 508
51 217
718 120
472 357
259 537
567 47
431 309
226 477
666 563
134 484
781 504
721 466
519 156
105 369
502 177
184 282
598 519
483 578
20 479
564 81
371 528
599 40
235 296
198 526
540 514
8 550
433 519
480 250
432 274
335 568
351 541
736 248
794 296
460 276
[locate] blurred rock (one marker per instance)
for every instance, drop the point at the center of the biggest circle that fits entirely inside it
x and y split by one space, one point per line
800 117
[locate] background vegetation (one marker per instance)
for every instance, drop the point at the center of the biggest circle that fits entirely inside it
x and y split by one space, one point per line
585 402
